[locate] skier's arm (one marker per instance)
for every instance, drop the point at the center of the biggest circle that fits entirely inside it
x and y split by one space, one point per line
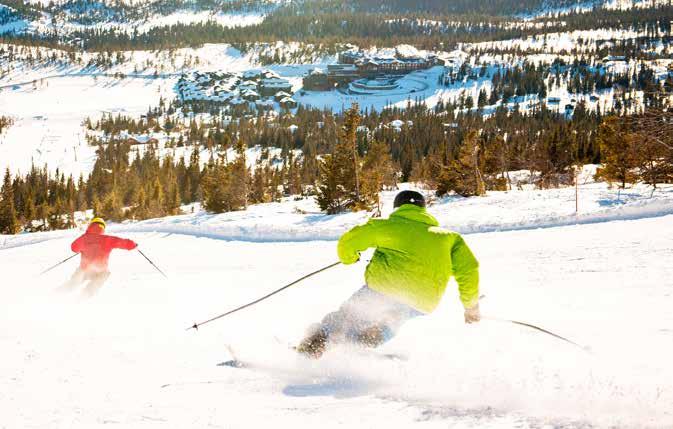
121 243
76 245
355 241
466 272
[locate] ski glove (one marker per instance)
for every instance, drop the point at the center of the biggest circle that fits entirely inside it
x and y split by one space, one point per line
472 314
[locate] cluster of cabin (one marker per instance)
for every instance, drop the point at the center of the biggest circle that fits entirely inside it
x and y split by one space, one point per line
262 89
355 64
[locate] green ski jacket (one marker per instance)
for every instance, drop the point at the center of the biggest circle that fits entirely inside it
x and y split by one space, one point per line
414 258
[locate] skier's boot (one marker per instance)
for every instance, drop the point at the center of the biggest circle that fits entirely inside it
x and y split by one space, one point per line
371 337
314 345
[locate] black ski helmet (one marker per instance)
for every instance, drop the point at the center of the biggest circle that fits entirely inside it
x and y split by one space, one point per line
409 197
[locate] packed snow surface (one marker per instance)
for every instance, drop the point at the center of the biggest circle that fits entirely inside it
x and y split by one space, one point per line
124 358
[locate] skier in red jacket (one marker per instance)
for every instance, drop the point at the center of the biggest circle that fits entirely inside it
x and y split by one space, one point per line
95 248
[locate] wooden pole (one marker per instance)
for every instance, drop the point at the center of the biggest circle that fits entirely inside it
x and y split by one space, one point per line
577 191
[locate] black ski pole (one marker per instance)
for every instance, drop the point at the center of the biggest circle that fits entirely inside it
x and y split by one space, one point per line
537 328
150 261
196 325
62 262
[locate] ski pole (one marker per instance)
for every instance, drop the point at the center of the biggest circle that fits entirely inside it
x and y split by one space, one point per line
150 261
62 262
537 328
196 325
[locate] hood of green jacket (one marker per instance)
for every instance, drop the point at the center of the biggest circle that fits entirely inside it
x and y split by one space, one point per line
415 213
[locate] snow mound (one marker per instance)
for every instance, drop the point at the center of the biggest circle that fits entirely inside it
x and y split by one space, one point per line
301 220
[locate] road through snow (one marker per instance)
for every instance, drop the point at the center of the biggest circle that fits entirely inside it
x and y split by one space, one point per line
123 358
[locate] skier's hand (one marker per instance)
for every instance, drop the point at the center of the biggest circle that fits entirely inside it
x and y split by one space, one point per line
472 314
350 258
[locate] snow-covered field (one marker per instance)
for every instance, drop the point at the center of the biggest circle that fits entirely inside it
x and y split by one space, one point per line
67 22
123 358
549 8
48 117
49 109
49 103
634 4
49 100
184 17
560 42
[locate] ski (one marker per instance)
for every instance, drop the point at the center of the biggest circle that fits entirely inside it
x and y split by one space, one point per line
234 363
237 363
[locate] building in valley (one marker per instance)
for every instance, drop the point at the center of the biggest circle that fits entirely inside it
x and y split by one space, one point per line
355 64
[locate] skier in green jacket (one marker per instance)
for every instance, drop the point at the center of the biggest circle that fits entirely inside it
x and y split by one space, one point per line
412 264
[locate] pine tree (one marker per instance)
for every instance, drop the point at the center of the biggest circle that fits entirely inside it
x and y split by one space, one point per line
42 215
56 220
346 153
141 209
294 183
617 149
238 183
377 172
9 223
215 188
194 175
157 200
330 196
96 206
173 201
339 182
496 162
274 180
30 212
468 179
81 202
258 192
652 163
482 99
111 207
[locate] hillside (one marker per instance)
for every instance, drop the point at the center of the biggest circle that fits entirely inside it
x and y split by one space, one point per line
236 141
300 220
130 362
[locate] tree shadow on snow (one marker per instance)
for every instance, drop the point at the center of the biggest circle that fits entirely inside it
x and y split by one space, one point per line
317 218
619 199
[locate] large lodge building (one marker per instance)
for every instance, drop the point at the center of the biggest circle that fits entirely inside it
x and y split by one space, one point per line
355 65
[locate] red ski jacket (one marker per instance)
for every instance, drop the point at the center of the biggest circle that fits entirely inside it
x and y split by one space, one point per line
95 248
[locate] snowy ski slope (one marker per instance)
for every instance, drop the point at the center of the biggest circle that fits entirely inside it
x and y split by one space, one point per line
124 358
